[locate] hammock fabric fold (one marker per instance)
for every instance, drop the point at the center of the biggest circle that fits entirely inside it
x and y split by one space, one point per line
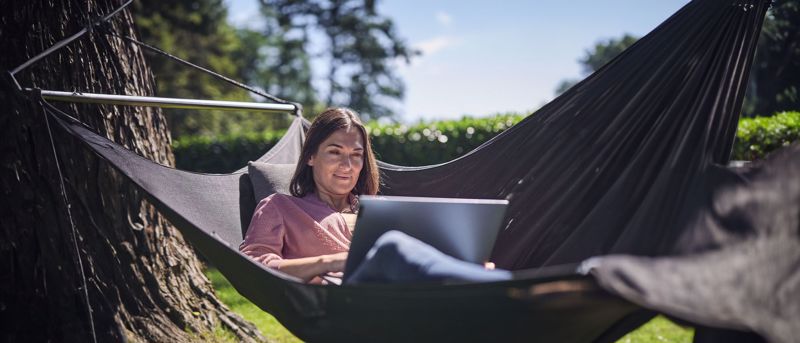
626 165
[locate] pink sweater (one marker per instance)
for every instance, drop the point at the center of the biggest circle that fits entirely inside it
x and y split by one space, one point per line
284 226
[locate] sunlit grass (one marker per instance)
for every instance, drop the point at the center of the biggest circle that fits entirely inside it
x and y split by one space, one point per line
658 330
266 323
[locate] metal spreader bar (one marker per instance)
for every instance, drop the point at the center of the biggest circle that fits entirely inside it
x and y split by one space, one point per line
150 101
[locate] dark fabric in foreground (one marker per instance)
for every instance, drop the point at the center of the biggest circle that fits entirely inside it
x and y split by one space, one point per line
739 261
627 165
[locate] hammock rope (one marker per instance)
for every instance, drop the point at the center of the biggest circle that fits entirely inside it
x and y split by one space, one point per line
219 76
68 207
100 25
57 46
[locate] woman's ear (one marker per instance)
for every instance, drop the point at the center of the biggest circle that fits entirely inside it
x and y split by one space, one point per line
310 162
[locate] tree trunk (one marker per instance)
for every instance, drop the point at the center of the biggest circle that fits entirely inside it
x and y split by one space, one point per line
143 282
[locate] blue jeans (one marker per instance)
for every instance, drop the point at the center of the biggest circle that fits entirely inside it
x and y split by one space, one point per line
397 258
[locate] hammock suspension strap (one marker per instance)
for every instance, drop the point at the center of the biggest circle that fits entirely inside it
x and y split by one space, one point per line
68 40
72 226
279 105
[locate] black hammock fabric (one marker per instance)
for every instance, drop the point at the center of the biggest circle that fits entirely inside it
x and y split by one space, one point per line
627 165
551 304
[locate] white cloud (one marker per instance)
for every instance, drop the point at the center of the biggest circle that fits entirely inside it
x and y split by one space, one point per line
431 46
443 18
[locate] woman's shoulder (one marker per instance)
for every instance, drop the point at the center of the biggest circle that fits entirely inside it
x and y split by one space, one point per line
277 199
277 206
286 201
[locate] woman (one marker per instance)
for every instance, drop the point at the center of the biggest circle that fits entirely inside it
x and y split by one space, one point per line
307 234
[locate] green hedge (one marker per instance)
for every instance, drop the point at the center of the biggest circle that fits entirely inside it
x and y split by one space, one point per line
222 154
757 136
436 142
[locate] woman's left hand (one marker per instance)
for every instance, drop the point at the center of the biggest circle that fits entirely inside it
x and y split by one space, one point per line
334 263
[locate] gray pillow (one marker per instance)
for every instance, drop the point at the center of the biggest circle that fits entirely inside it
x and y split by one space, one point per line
269 178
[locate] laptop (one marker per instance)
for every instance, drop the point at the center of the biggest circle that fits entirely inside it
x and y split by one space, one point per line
463 228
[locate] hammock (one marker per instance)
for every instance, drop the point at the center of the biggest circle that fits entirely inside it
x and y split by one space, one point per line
627 165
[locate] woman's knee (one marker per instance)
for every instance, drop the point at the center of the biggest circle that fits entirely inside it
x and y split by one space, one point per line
396 242
390 244
392 237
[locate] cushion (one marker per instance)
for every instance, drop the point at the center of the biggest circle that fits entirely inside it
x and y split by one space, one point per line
269 178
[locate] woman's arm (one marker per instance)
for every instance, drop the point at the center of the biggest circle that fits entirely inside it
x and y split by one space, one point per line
306 268
264 243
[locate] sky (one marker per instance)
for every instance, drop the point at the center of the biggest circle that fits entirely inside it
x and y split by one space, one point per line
481 58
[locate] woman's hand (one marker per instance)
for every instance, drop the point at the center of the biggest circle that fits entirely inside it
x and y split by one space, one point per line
307 268
334 263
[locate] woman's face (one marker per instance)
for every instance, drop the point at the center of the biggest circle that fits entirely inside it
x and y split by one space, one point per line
338 162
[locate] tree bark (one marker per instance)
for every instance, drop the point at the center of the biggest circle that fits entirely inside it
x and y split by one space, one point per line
143 282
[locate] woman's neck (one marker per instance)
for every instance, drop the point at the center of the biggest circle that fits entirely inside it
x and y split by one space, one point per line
335 201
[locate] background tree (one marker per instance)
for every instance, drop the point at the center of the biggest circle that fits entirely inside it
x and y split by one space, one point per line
605 51
360 47
601 53
277 62
775 78
198 31
142 281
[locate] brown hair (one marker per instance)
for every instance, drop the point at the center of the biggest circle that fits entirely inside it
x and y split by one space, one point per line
324 125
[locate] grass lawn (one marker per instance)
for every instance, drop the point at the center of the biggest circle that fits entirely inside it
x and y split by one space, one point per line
658 330
266 323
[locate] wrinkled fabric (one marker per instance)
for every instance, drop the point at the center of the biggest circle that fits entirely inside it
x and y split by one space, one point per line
739 261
